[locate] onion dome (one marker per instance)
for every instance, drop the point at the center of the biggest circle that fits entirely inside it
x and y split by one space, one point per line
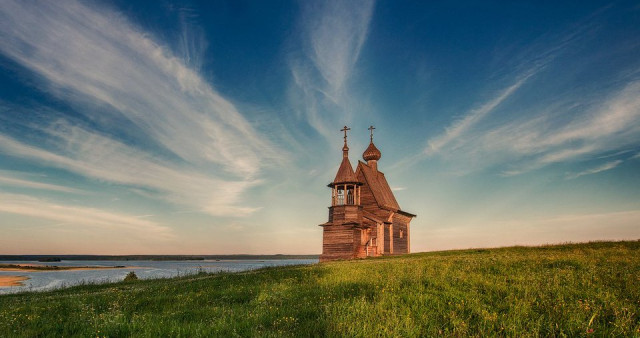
372 153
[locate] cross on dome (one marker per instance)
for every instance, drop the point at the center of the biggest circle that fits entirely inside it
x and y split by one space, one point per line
371 128
371 153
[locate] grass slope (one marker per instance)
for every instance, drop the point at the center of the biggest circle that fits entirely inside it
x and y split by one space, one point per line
574 290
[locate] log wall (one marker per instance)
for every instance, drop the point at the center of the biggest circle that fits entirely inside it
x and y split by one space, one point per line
345 213
337 242
401 243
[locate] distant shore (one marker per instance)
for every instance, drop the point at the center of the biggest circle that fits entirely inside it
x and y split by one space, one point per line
12 280
44 258
41 267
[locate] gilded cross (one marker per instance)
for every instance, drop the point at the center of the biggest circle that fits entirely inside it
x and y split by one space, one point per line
345 133
371 128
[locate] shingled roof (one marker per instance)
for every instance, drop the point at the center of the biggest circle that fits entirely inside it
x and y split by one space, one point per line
345 173
379 187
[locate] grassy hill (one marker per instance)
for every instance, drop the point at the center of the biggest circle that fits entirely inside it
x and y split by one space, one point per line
575 289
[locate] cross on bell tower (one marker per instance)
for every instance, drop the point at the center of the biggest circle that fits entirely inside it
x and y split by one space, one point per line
345 148
345 128
371 128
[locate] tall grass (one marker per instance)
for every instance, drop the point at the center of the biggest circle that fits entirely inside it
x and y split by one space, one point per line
575 290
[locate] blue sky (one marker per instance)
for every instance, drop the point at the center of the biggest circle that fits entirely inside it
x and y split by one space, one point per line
213 127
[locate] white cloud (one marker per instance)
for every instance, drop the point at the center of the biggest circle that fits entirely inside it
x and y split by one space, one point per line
333 34
127 83
95 156
601 168
530 62
570 127
336 31
94 53
611 126
462 126
10 179
548 137
81 216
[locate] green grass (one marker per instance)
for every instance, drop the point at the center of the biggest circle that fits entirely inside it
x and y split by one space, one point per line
574 290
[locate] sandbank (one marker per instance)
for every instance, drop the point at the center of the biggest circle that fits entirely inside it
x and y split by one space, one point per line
12 280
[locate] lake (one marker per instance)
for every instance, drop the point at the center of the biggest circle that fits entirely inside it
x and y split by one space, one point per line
46 280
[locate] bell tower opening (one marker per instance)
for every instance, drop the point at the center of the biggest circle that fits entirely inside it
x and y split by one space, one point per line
346 194
345 188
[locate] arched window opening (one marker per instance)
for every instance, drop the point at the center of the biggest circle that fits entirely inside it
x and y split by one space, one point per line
340 197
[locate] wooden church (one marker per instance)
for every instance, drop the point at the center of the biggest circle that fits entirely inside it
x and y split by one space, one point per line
365 219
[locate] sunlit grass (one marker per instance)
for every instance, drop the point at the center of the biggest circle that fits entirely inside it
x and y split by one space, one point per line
575 289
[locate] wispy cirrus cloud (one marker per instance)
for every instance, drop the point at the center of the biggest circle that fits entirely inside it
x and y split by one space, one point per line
12 179
336 32
96 156
546 138
457 129
129 84
333 33
82 216
529 63
98 54
567 128
600 168
607 127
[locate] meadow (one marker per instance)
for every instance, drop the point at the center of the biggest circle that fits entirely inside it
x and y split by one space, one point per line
573 289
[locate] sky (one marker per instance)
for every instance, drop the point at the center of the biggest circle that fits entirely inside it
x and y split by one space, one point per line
213 127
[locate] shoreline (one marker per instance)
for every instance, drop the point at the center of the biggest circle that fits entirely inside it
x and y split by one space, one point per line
43 268
6 281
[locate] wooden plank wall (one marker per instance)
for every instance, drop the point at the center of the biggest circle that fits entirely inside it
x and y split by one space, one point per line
337 240
345 213
380 239
387 238
400 244
359 241
401 223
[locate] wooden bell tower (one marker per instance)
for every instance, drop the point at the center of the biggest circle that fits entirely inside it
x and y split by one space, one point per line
344 212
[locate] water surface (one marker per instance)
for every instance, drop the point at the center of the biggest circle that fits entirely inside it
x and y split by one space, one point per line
45 280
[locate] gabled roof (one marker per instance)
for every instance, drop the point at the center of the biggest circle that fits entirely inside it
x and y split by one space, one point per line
371 216
379 187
